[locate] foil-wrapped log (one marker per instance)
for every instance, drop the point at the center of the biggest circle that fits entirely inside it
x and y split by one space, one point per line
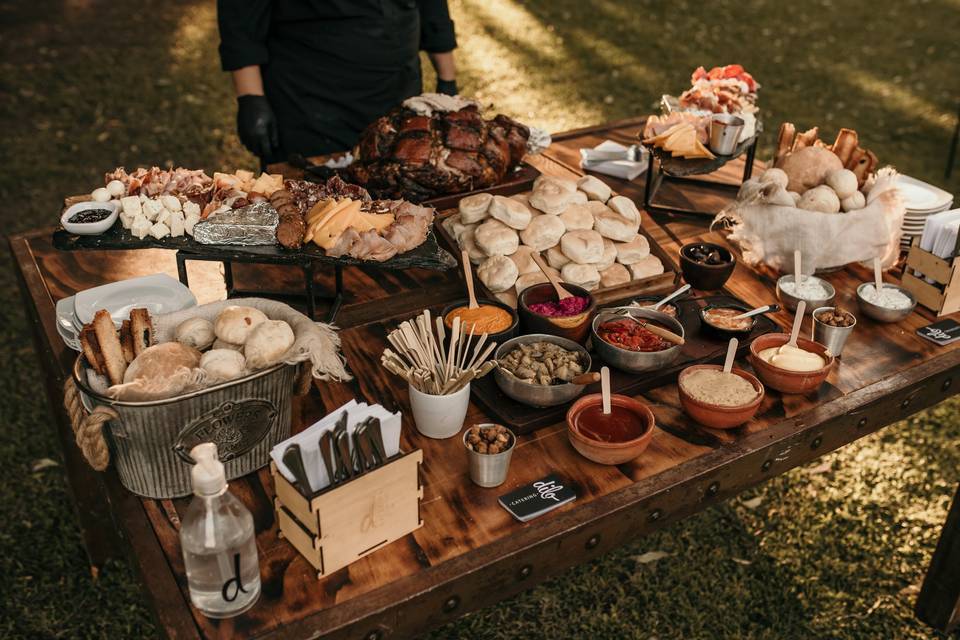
255 224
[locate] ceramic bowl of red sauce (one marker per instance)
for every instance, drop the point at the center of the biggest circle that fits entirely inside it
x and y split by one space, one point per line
618 437
622 342
541 312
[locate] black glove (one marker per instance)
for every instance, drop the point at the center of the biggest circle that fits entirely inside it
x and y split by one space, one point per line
257 126
448 87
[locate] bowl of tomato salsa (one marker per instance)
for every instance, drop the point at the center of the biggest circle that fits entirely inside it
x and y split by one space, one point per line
621 340
613 438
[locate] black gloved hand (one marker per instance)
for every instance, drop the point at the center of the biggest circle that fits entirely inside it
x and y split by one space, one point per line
448 87
257 126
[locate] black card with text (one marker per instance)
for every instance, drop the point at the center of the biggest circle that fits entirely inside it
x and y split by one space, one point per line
941 332
532 500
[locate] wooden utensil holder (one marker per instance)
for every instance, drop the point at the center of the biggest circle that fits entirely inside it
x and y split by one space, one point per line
943 295
346 522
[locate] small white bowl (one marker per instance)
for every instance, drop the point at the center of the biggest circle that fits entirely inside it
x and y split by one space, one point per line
90 228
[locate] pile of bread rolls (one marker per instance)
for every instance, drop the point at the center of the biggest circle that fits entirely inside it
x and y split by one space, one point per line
811 175
589 236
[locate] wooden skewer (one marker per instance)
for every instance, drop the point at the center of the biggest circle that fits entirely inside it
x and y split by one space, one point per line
562 294
468 276
731 354
605 389
797 322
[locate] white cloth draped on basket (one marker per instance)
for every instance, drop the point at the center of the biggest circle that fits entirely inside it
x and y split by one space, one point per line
769 233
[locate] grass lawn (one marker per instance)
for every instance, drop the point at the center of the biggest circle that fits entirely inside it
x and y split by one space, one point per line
832 550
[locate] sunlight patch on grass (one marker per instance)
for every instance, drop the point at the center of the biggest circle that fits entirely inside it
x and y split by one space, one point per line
196 29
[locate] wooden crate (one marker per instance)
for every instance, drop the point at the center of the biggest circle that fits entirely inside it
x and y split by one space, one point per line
349 521
943 295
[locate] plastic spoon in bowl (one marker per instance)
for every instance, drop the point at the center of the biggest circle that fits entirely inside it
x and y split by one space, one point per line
605 389
877 274
797 276
767 308
562 294
797 322
670 297
468 276
731 355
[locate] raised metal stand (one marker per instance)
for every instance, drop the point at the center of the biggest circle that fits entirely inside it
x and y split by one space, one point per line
309 270
657 173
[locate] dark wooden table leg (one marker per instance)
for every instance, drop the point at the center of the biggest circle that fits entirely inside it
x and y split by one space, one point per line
939 602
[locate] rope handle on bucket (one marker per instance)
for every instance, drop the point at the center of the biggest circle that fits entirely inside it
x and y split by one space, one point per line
88 427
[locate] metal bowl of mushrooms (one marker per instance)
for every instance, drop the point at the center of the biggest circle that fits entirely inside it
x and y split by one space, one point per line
541 370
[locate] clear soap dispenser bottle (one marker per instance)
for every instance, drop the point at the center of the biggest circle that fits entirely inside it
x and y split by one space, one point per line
218 541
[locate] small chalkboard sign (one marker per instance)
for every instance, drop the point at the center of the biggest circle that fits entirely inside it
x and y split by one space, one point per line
941 332
532 500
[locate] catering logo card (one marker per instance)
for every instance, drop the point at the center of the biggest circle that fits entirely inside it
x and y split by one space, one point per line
942 332
532 500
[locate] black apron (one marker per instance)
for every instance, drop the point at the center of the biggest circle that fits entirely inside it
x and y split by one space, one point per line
335 67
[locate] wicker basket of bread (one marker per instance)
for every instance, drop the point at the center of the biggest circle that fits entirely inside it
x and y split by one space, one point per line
143 395
828 201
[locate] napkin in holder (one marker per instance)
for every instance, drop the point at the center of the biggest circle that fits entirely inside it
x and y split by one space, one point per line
623 169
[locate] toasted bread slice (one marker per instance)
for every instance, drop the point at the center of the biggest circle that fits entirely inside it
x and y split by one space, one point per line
113 360
805 139
141 329
844 146
91 349
784 142
126 342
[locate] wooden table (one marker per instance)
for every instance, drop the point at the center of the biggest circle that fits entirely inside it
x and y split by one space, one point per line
470 553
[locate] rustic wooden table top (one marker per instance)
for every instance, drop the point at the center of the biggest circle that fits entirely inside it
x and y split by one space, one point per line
470 552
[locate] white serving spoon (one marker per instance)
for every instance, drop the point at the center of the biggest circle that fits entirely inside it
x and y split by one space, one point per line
670 297
731 355
605 389
767 308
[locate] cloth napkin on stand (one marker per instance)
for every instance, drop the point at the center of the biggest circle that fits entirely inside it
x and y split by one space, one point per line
623 169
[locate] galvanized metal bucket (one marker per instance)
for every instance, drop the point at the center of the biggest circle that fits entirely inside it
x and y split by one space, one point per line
150 442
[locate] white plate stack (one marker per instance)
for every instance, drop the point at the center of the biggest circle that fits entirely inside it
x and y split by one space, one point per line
158 293
921 200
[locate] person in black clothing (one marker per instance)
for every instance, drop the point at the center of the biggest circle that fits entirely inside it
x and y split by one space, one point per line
311 74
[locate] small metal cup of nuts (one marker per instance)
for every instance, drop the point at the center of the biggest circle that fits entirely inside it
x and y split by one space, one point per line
489 449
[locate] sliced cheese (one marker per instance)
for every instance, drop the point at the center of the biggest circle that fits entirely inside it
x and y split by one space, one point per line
327 232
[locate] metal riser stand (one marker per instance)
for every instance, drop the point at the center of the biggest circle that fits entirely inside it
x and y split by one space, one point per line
309 271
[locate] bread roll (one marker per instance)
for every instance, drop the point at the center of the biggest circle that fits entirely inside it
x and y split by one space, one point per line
821 199
808 168
556 258
521 258
162 371
596 207
578 197
474 208
508 297
223 344
514 214
577 216
649 266
582 275
595 188
583 246
616 227
609 255
455 226
468 242
843 182
529 279
550 197
495 238
267 344
625 207
615 274
498 273
195 332
775 176
854 202
563 183
221 365
633 251
543 232
235 323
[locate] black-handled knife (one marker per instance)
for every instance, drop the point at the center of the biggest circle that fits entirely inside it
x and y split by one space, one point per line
294 461
375 433
342 443
326 453
362 444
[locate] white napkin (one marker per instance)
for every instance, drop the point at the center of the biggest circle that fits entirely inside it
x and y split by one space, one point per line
623 169
309 440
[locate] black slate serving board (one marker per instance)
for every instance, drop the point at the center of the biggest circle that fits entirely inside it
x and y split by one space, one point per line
680 167
428 255
699 348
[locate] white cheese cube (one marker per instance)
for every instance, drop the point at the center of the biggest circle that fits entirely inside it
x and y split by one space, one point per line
176 224
171 202
152 209
163 217
126 220
191 208
159 231
131 205
140 226
188 222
